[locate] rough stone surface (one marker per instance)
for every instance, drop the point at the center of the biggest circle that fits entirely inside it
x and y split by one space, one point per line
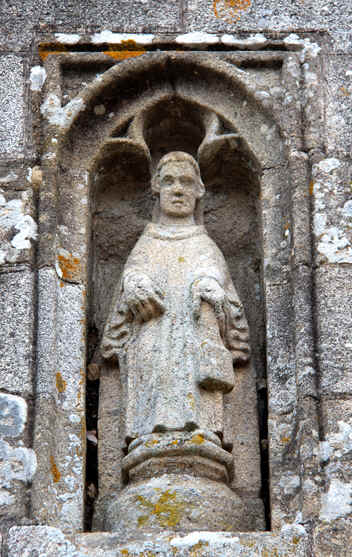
178 288
331 190
17 466
13 415
12 105
18 229
315 82
337 70
334 329
220 15
60 403
16 331
51 541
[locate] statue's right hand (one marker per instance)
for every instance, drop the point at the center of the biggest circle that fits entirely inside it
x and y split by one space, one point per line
143 298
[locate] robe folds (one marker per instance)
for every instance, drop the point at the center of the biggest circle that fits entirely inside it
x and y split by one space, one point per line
160 360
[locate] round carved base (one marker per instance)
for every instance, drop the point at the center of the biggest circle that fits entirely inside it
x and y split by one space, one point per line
177 503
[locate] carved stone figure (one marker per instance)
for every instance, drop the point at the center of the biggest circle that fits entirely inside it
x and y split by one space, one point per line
176 327
176 322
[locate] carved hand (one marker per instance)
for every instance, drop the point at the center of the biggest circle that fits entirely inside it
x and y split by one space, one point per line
209 290
142 297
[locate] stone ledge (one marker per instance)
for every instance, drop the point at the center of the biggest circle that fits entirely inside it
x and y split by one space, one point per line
45 540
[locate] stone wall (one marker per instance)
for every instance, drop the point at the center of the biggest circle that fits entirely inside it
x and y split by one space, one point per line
314 494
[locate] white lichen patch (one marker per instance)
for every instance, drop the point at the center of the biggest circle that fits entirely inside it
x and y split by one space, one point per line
37 78
197 38
253 42
290 483
13 415
17 464
337 502
307 48
17 227
58 115
332 216
10 177
335 246
328 165
338 444
67 38
109 37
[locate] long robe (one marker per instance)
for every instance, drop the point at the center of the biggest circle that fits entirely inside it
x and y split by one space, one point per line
160 360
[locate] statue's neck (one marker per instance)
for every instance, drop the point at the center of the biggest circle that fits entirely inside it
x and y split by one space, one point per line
168 220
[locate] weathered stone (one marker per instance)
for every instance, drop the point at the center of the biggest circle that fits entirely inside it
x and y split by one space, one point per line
338 88
334 337
12 105
233 17
13 415
40 540
16 331
185 306
60 403
46 540
332 211
18 228
17 468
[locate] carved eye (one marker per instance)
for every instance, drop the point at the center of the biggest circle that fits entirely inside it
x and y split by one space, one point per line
167 181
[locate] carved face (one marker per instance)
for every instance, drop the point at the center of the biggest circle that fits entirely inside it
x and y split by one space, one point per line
179 189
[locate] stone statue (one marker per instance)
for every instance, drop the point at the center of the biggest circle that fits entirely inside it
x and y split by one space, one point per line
176 327
176 322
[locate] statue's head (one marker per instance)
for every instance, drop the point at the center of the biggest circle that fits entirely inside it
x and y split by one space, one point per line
178 183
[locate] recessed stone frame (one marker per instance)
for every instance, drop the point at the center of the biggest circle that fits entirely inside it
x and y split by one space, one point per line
279 126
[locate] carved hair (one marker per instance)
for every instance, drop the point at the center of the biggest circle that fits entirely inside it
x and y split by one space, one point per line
175 156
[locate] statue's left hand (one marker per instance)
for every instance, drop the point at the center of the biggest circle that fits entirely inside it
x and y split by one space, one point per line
210 291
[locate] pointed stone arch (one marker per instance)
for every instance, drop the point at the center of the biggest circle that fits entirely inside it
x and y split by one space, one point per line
106 119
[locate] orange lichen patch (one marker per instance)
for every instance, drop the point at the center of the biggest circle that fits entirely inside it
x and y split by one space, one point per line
230 9
174 442
123 54
197 549
44 50
54 470
61 284
151 443
345 91
60 383
198 439
69 266
285 440
311 187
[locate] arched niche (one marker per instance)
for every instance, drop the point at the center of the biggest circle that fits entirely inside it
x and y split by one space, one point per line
97 172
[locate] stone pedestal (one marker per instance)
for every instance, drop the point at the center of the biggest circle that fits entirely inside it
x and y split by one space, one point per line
176 481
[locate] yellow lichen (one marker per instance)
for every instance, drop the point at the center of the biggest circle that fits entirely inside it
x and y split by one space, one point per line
197 549
167 510
198 439
60 383
181 259
54 470
285 440
191 400
151 443
230 9
345 91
